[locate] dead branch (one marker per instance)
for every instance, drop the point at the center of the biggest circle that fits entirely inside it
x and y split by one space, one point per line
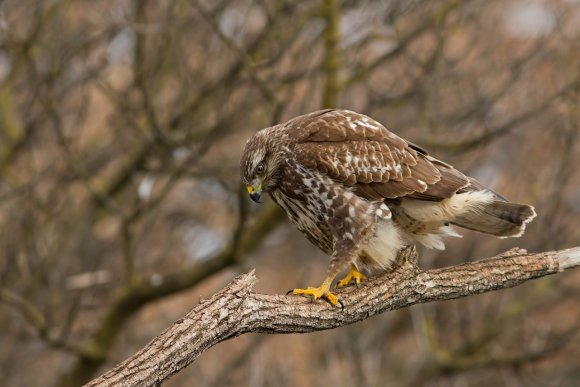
236 310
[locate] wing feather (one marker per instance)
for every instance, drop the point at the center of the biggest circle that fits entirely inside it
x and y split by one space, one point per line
361 153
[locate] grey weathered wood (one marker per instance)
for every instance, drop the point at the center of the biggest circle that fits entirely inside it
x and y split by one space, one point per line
236 310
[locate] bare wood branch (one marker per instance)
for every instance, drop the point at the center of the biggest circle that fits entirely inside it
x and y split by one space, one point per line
134 295
236 310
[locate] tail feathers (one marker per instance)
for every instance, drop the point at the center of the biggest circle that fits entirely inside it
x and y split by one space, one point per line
499 218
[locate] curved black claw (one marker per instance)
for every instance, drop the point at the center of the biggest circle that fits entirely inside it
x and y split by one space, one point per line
289 291
341 305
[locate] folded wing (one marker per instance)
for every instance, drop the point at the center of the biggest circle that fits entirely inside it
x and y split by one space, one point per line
361 153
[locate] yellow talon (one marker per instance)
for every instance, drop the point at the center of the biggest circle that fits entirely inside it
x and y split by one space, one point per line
323 291
317 293
353 274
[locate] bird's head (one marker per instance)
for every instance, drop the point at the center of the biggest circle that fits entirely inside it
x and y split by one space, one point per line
260 166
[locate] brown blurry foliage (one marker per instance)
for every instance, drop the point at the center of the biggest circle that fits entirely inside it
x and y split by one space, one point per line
121 125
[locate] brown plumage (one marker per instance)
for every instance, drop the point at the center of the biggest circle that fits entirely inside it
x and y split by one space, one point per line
360 193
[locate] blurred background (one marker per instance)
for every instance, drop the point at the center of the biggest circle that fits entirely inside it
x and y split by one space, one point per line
121 127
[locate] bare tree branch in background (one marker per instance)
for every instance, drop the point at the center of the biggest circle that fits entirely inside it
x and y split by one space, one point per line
331 13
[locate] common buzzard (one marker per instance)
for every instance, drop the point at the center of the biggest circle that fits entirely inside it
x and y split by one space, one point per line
360 193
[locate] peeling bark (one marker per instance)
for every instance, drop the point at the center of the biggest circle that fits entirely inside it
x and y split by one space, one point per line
236 309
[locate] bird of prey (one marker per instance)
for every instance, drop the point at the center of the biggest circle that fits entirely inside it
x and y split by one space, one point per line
361 193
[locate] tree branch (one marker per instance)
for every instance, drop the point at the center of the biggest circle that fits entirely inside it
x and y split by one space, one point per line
132 297
236 310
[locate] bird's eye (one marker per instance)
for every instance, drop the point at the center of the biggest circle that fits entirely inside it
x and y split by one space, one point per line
260 169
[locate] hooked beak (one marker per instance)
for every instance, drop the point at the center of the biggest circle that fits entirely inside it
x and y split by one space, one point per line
255 193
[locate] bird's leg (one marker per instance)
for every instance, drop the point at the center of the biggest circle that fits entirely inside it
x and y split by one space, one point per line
353 274
337 264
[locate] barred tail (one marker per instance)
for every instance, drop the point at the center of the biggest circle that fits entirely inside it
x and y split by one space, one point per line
500 218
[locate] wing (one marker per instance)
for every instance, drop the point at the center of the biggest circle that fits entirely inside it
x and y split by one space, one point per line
361 153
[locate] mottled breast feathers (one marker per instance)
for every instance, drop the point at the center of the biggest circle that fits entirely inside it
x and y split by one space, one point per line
361 153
